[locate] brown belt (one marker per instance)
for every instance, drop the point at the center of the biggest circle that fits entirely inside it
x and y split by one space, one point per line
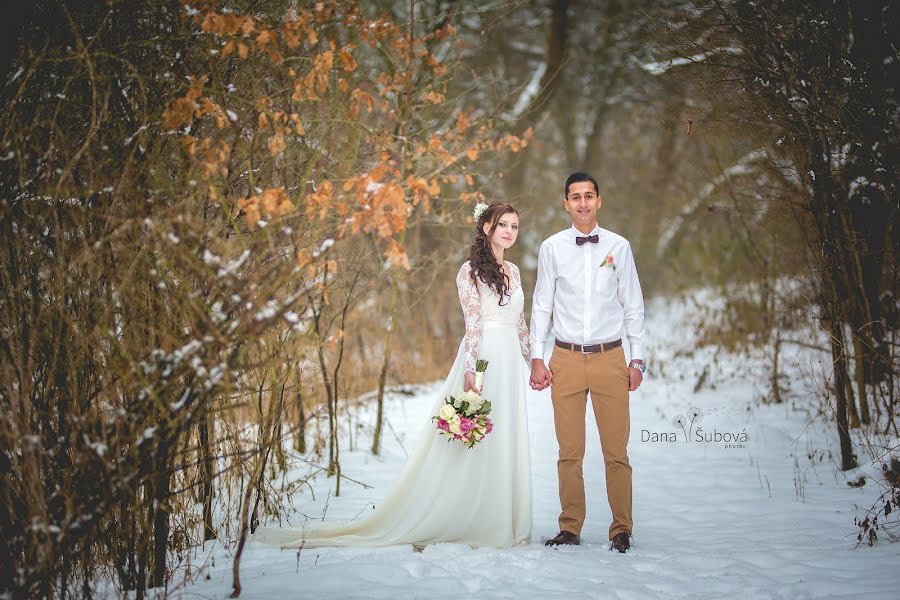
590 349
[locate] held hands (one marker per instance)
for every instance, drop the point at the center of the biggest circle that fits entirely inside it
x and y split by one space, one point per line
469 383
541 377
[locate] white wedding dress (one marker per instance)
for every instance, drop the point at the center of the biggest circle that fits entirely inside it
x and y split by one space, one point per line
446 492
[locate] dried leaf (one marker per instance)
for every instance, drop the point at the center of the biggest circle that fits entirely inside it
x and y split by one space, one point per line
276 144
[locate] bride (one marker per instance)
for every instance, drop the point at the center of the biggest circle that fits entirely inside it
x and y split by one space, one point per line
446 492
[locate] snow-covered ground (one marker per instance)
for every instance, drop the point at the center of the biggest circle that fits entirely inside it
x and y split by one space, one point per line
770 518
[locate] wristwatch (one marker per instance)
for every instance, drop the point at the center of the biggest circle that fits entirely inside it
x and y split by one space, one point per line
640 366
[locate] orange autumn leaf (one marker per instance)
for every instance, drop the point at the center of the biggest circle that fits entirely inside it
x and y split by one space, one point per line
347 61
291 32
462 122
209 107
250 206
245 24
298 95
433 97
435 143
264 37
181 111
298 125
359 98
396 254
189 143
378 172
275 202
276 143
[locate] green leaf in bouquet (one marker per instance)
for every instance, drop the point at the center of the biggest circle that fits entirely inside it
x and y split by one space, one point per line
485 408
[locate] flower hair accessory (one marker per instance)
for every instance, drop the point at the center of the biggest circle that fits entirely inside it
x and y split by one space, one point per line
479 209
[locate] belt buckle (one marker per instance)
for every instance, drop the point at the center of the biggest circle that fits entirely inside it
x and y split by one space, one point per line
583 346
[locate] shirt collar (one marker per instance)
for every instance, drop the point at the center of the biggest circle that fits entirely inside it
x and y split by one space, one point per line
575 233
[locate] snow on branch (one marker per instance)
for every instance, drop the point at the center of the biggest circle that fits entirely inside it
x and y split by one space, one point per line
529 93
658 68
743 166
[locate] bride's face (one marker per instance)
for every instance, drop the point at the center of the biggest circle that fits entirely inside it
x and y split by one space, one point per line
506 232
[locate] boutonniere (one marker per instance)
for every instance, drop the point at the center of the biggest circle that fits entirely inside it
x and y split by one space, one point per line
609 262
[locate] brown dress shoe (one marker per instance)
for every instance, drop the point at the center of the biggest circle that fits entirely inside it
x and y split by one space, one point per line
620 542
564 538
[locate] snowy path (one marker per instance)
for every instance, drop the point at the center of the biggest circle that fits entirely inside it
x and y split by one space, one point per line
710 521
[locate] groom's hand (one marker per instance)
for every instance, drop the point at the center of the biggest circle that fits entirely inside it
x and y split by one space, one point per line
635 377
541 377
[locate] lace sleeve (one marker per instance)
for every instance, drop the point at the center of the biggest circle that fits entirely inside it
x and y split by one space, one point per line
522 327
470 301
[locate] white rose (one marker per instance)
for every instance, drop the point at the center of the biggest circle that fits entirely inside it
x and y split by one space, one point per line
454 424
447 412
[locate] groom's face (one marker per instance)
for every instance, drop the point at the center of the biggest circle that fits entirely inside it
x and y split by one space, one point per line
582 203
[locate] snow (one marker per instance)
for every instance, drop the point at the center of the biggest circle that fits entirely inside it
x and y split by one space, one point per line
660 67
234 265
131 137
328 243
16 75
773 519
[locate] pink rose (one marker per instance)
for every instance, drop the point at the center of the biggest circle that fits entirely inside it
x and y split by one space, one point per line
466 425
489 426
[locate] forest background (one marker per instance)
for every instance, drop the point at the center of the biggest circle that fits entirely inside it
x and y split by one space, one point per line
226 224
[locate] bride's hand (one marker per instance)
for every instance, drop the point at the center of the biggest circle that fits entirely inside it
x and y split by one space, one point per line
470 383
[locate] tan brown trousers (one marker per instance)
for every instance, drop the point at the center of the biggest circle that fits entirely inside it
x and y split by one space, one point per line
605 376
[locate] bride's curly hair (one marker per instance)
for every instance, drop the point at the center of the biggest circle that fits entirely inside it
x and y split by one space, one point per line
481 258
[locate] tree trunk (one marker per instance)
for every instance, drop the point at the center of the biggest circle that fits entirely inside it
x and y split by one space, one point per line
300 436
776 385
207 462
252 484
382 376
852 414
861 381
848 460
161 490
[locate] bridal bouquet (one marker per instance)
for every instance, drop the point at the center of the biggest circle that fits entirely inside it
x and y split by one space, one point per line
464 417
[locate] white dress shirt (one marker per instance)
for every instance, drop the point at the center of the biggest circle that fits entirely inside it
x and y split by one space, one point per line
589 301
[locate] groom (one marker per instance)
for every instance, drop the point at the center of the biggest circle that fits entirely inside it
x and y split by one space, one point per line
588 283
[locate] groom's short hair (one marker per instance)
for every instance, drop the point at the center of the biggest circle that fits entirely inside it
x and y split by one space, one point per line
580 176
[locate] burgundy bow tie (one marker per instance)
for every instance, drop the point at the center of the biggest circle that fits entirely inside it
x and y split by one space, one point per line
581 241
